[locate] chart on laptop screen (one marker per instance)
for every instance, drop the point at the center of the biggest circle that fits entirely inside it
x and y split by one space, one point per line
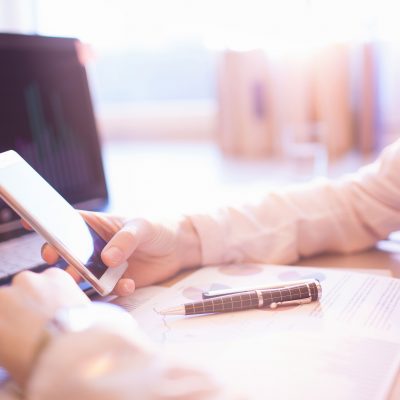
53 146
47 115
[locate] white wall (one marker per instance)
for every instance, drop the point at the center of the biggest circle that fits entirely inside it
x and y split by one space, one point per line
17 16
159 120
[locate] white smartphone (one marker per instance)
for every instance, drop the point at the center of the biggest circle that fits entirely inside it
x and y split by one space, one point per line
50 215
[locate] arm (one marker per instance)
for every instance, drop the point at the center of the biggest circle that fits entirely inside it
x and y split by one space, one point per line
343 216
107 359
101 365
347 215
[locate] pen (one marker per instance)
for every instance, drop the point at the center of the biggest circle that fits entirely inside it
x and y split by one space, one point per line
301 293
221 292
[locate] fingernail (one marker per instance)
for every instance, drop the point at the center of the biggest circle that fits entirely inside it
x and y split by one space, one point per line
128 287
114 255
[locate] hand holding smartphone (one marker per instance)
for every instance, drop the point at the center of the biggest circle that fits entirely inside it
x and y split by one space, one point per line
50 215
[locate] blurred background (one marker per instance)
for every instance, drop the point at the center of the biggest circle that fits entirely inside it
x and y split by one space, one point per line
241 91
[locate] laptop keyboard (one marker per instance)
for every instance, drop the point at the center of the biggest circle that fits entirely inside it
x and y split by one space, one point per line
20 253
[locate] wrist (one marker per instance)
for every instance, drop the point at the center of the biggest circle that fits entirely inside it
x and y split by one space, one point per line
22 359
189 245
74 319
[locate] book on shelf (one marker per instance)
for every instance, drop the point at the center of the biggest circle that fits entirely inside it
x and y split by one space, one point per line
245 104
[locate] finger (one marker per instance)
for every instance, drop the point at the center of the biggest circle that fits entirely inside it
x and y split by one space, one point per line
65 286
26 225
62 275
124 242
56 273
31 283
49 254
124 287
74 273
25 277
119 248
101 223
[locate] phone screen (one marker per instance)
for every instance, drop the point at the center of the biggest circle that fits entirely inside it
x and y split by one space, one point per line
94 264
51 215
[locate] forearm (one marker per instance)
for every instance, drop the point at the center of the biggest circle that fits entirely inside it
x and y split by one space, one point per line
343 216
103 366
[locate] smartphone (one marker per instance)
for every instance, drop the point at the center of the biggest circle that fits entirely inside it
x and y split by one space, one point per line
51 216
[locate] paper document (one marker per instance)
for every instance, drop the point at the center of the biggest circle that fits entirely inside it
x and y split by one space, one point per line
139 297
347 346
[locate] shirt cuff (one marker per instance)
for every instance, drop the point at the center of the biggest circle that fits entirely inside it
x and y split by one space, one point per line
213 234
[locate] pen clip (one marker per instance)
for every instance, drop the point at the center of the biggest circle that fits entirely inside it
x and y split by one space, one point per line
290 302
209 294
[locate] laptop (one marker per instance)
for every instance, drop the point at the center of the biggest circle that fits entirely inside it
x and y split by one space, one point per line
47 117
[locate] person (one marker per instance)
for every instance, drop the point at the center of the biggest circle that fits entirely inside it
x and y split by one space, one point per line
112 360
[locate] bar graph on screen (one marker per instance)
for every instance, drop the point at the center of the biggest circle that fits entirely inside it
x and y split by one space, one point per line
54 149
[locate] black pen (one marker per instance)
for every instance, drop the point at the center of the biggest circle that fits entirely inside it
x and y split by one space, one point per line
300 293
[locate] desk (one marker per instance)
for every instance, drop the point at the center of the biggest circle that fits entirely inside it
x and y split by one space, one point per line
154 171
385 255
177 330
192 176
140 174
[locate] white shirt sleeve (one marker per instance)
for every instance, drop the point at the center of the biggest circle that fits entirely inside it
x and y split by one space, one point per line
100 365
337 216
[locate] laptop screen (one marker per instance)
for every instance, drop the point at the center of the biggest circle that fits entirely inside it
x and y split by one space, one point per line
46 115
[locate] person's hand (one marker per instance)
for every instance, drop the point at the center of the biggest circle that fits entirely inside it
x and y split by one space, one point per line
25 307
154 251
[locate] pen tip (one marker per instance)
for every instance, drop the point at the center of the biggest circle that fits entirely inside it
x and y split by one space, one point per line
179 310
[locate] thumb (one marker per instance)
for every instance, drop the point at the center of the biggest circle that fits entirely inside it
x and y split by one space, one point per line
125 241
